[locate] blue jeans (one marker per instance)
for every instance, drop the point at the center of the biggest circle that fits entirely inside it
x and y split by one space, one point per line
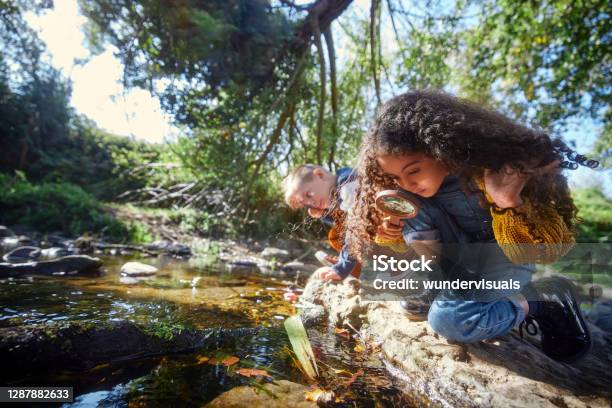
468 321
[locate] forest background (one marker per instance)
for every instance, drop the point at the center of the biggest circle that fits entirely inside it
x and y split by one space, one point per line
254 87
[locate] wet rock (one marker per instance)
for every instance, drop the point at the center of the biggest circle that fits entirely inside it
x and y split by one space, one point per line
138 269
56 240
22 254
6 232
242 267
10 243
507 371
84 245
312 314
279 394
171 248
56 252
80 346
275 254
67 265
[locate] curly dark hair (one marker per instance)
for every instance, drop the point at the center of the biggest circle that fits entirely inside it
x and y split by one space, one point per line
467 139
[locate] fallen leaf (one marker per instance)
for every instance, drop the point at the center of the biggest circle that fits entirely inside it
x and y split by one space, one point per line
231 360
202 359
253 372
359 348
342 332
227 361
354 377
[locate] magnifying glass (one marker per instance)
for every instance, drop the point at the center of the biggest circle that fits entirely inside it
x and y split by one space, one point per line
397 205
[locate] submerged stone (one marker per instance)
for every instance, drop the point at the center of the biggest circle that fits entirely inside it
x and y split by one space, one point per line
279 394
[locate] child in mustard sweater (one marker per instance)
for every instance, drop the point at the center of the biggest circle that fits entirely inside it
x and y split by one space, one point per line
489 187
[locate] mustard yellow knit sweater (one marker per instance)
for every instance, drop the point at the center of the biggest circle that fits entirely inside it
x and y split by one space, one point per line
528 234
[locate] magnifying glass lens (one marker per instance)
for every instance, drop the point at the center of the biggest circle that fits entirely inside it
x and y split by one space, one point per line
397 205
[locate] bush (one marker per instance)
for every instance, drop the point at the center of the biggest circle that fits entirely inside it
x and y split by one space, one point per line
49 207
595 210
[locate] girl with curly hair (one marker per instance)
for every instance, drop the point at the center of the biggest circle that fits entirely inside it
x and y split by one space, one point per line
478 178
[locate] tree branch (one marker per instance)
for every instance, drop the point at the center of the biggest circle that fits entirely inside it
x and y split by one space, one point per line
331 53
325 11
322 80
374 41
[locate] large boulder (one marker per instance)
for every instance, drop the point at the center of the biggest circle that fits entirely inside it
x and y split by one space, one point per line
67 265
83 345
279 394
507 371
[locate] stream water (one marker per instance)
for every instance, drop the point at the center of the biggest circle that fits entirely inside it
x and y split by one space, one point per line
250 307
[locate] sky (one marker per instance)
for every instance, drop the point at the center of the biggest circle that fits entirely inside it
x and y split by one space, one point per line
96 85
98 92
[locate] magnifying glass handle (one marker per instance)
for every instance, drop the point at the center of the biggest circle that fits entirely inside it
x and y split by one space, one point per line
394 221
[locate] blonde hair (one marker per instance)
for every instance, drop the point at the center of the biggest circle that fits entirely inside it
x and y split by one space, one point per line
298 175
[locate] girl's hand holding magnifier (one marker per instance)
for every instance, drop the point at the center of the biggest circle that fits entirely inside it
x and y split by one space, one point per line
390 231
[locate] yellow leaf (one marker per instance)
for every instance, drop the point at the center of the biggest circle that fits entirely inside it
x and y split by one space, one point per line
359 348
202 359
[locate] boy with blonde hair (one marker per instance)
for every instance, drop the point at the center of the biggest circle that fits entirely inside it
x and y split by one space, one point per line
328 197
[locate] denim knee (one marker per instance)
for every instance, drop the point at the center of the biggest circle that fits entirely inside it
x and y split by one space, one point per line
470 321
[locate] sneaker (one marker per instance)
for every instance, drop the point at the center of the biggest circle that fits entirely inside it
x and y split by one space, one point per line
325 258
564 333
415 311
417 307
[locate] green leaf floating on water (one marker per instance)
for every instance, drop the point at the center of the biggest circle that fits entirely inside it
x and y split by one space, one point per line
301 345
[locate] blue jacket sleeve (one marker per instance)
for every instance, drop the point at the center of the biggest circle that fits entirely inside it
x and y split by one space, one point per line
345 264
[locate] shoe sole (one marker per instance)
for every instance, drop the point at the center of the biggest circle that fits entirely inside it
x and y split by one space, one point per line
568 284
320 255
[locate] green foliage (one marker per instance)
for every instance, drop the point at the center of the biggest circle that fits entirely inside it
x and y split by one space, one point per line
596 213
544 56
216 52
52 207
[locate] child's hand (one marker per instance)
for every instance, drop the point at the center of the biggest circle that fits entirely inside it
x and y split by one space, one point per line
327 274
388 231
505 186
316 212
